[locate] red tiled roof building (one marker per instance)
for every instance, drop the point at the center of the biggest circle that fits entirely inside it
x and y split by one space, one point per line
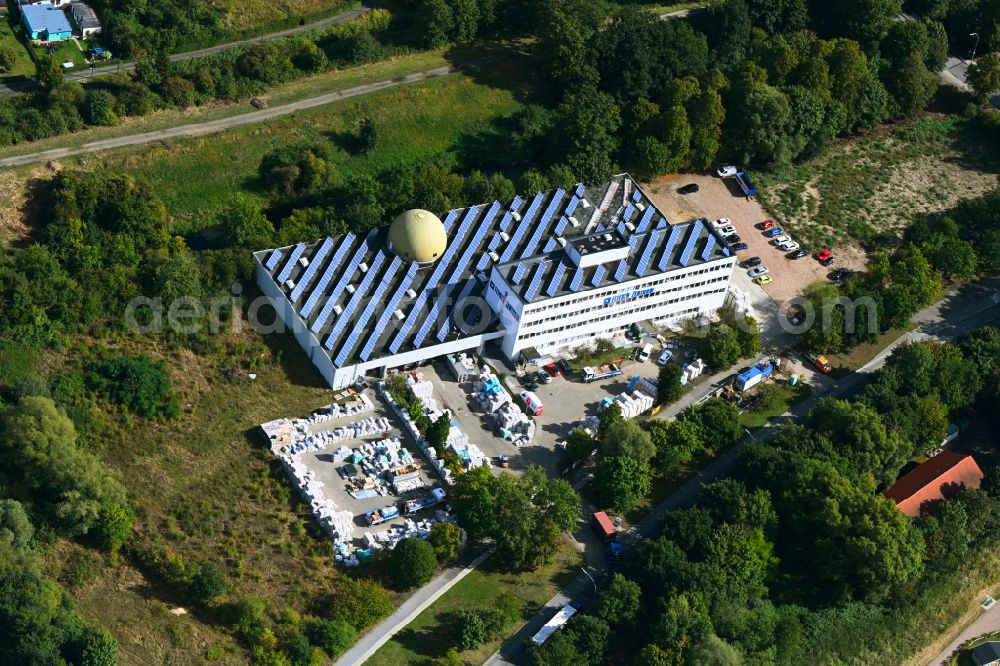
935 479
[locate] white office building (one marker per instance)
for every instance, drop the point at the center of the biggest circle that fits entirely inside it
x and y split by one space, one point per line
538 274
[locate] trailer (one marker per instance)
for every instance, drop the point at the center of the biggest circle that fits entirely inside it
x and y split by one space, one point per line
603 526
379 516
556 623
607 370
414 505
746 184
755 375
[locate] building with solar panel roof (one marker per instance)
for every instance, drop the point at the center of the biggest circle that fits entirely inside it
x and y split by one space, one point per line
550 271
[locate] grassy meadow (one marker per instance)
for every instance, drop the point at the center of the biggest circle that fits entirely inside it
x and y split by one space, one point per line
863 188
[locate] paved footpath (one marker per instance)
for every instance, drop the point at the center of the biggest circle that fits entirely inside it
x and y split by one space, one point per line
411 608
221 124
25 85
988 622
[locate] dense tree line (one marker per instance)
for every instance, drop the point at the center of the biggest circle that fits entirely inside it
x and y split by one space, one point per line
799 546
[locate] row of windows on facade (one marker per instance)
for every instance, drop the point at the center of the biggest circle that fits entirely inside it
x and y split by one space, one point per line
604 293
612 331
545 320
549 331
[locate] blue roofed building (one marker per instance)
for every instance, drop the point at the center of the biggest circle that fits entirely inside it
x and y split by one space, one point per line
46 22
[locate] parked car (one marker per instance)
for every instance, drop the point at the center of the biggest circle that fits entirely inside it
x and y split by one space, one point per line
543 378
827 261
565 366
690 188
823 254
788 246
778 240
725 171
644 353
739 247
722 222
552 369
664 357
758 270
763 279
727 231
765 225
839 274
734 239
798 254
751 262
776 231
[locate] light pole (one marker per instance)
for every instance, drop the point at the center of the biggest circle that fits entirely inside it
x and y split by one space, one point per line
975 46
592 581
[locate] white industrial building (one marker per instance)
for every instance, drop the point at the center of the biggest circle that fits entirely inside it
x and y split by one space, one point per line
541 273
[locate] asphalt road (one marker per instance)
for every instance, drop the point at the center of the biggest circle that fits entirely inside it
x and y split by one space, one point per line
26 85
966 307
215 126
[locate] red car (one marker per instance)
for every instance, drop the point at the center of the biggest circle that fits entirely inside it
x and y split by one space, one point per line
765 225
823 255
552 369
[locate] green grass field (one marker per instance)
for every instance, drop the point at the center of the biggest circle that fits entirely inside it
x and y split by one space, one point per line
415 123
786 398
429 635
863 188
24 66
65 51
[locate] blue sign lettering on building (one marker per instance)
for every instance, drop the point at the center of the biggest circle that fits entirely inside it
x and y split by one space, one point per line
629 295
502 295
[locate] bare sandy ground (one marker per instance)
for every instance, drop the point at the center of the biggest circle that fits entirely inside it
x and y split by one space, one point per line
722 198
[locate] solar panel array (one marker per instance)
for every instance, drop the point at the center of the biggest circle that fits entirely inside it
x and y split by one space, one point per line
331 270
675 235
561 226
450 220
550 245
290 264
536 282
647 217
345 278
374 301
536 237
470 284
556 279
519 273
313 266
483 262
571 206
273 260
355 300
692 239
516 203
579 189
598 275
725 251
390 309
522 227
577 280
627 215
647 253
620 271
636 196
709 245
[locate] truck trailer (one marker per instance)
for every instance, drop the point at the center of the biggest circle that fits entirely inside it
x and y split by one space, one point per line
607 370
556 623
603 526
755 375
379 516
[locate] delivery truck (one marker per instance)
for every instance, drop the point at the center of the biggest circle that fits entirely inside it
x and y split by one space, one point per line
819 362
414 505
607 370
379 516
603 526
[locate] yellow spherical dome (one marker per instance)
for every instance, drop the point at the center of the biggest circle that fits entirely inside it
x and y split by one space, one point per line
418 235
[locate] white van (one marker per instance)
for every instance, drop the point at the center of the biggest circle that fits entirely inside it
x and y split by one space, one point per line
644 354
531 401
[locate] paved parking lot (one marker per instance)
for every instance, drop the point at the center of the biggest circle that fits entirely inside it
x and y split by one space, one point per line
719 197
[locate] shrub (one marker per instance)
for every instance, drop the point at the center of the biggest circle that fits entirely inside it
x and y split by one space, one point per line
139 383
331 636
446 539
470 630
29 385
207 583
361 603
412 563
99 649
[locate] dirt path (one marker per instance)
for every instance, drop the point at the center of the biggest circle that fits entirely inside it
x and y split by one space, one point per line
222 124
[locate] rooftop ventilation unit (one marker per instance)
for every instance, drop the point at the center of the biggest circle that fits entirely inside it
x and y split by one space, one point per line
561 241
494 256
516 215
290 284
641 207
337 310
350 289
363 267
504 236
630 227
303 261
411 294
399 314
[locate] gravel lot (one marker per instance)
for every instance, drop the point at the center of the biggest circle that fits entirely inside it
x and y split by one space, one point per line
722 198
